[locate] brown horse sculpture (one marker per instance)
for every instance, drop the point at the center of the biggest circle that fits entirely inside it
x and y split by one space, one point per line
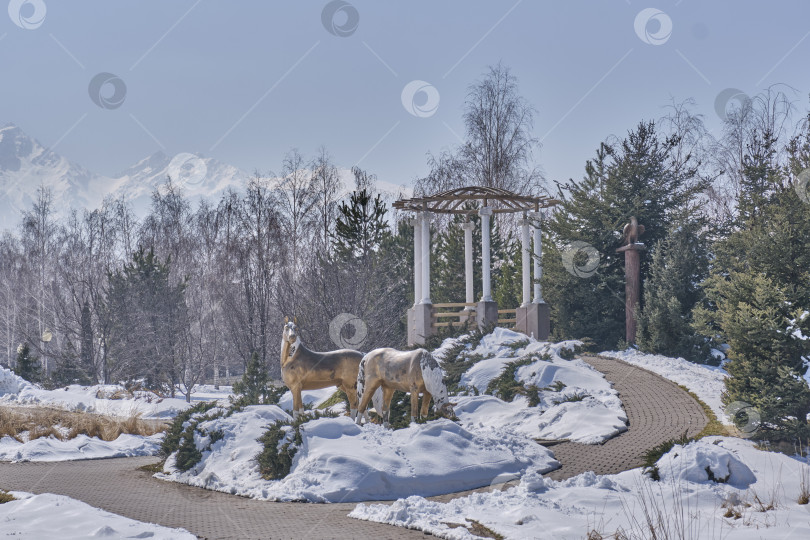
302 369
409 371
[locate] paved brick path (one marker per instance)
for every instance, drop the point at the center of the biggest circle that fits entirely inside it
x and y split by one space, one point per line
657 410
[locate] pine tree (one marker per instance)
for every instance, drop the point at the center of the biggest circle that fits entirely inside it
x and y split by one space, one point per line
448 279
671 292
766 364
253 386
27 366
148 314
361 226
637 177
759 296
508 290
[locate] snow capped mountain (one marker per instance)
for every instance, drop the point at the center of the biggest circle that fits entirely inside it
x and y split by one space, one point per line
25 165
198 177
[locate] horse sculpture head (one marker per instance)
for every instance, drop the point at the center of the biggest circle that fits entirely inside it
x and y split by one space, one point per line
444 407
433 375
289 339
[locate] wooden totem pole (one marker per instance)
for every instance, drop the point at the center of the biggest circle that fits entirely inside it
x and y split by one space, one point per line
632 269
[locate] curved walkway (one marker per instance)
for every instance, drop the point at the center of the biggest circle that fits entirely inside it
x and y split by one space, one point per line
657 410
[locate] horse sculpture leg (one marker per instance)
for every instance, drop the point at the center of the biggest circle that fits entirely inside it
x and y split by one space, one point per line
414 403
368 393
298 403
426 397
351 393
388 393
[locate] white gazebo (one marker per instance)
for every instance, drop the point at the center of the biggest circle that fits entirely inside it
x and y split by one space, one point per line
425 317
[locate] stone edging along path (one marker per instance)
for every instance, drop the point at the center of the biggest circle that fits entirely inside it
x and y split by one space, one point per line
656 408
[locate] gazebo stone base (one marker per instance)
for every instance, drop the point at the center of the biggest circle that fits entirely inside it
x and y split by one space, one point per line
534 320
486 314
420 324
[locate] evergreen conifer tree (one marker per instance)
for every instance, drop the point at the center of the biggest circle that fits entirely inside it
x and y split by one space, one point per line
253 386
583 276
759 295
671 292
27 366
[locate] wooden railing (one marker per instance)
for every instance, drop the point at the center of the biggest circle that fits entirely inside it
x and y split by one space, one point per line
464 316
505 319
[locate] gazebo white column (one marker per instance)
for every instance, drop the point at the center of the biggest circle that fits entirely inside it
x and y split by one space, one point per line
526 250
538 256
417 259
426 258
485 212
468 261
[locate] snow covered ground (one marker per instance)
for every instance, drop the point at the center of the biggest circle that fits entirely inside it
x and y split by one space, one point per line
684 500
706 382
114 400
576 402
56 516
81 447
108 399
340 461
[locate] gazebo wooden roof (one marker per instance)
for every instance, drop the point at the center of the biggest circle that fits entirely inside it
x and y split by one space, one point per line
452 201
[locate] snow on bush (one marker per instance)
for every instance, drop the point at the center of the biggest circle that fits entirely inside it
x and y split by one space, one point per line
341 461
704 462
762 490
706 382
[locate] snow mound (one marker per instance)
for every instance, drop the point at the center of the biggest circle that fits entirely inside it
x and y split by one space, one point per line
80 447
703 462
542 508
309 397
56 516
340 461
10 383
107 399
706 382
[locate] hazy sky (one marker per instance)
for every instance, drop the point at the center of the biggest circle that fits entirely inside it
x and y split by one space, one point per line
243 82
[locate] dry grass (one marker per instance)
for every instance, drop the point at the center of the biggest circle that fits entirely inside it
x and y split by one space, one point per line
804 485
25 424
5 497
714 426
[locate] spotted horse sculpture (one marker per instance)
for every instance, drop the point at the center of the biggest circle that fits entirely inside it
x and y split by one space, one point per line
415 371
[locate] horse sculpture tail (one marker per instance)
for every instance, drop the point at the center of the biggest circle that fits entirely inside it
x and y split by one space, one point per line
361 384
361 378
